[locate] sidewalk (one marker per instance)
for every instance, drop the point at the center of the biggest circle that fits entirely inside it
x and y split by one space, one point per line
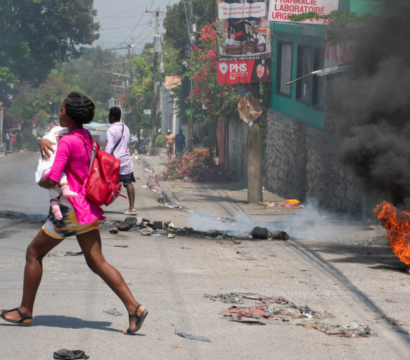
230 201
222 200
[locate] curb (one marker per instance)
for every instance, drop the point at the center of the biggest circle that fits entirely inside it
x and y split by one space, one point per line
168 194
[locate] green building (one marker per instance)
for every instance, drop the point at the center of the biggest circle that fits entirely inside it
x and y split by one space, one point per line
300 160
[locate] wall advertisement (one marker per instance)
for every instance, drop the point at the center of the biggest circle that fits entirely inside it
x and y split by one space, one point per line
280 10
244 42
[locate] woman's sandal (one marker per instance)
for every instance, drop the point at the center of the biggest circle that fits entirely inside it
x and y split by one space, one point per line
18 322
140 320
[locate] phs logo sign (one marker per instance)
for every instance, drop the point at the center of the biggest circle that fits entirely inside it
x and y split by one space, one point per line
223 67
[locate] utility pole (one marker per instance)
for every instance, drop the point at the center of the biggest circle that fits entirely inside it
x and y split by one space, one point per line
161 70
190 119
254 164
157 51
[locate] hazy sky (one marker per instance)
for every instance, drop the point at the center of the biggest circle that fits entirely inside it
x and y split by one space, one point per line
121 20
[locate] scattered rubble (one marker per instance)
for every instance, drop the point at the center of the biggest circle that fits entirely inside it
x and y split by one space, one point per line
191 337
194 167
125 226
167 228
260 233
277 310
236 298
352 331
279 235
147 231
65 253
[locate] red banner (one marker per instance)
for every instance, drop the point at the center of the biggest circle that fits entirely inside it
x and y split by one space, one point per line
243 71
245 46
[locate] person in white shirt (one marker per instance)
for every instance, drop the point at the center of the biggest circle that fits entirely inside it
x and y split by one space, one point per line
259 39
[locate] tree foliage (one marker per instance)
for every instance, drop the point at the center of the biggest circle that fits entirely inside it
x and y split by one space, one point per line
35 34
219 99
176 26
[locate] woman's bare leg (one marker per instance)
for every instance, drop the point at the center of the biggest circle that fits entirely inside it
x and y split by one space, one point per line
90 243
38 248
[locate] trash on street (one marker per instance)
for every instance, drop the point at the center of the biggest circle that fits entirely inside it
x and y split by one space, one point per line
113 312
65 354
191 337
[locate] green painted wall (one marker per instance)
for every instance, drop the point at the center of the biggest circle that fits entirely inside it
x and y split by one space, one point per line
362 7
286 105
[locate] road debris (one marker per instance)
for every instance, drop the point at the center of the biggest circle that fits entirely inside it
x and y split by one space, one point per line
171 236
113 230
113 312
236 298
260 233
194 167
125 226
352 331
391 301
156 235
65 253
276 308
65 354
147 231
279 235
121 246
191 337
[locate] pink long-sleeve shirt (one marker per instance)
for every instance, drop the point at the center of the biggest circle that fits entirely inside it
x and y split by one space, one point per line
72 150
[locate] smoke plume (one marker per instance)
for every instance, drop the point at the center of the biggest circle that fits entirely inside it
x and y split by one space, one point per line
371 105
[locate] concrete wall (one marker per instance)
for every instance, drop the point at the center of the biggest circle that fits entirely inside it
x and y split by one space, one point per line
300 162
237 148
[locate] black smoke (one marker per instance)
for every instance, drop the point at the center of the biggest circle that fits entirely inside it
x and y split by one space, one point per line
371 105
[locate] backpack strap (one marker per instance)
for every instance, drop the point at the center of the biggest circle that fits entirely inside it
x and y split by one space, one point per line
122 134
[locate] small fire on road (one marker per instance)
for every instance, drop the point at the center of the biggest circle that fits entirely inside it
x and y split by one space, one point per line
397 223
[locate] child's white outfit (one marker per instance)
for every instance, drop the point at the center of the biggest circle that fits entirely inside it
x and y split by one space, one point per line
45 166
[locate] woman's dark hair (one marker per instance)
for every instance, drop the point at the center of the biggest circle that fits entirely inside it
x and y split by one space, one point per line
79 108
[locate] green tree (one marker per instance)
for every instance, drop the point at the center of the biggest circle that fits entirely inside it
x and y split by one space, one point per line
35 34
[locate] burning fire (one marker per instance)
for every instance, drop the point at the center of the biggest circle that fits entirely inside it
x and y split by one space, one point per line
397 224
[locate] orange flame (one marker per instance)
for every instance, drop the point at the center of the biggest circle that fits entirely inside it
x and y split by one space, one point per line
397 223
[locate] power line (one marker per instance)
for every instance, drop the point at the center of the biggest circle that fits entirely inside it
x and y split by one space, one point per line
138 22
108 17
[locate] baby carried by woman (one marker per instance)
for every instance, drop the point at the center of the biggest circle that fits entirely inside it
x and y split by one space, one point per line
44 166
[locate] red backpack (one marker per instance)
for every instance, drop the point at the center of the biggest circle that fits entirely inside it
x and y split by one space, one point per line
103 185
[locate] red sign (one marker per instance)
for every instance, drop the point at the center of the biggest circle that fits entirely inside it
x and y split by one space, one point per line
235 72
244 71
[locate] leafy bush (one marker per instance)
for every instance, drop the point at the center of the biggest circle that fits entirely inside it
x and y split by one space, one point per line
194 167
30 143
159 140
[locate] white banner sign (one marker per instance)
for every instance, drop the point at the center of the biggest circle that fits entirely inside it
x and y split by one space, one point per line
241 11
280 10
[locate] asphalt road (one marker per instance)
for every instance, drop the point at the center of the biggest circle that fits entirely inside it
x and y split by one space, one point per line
18 189
171 276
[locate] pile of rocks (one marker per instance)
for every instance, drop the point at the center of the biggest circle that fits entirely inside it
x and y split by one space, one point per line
162 228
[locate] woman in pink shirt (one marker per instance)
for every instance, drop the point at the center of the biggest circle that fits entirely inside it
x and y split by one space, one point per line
80 218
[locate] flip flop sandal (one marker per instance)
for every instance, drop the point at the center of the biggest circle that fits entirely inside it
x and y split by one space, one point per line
130 212
18 322
140 320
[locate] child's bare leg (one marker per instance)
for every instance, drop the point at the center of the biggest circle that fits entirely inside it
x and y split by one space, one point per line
65 189
55 207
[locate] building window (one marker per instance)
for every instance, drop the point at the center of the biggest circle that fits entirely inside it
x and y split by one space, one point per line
284 74
318 93
304 68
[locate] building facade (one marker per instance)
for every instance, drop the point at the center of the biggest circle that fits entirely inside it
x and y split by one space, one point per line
300 159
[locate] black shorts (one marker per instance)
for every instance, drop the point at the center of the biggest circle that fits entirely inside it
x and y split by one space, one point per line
127 179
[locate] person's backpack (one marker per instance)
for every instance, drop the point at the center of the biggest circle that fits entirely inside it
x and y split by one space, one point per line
103 185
